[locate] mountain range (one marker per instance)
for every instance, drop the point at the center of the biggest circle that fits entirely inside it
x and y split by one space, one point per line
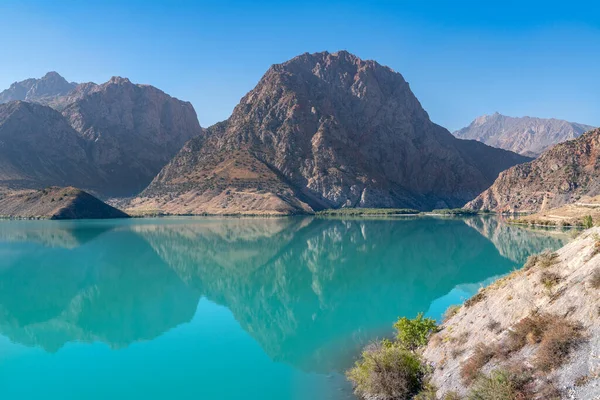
324 130
527 135
561 175
111 139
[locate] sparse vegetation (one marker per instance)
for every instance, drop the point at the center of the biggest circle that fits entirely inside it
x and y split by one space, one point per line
588 222
367 211
595 279
479 296
547 259
451 312
560 337
550 279
471 368
414 333
498 385
455 211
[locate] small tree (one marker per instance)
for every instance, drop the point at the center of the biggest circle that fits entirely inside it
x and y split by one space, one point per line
414 333
588 222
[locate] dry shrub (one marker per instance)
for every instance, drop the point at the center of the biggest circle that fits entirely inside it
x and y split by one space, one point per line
560 337
583 380
494 325
532 260
470 369
549 279
451 312
547 259
475 299
595 279
528 330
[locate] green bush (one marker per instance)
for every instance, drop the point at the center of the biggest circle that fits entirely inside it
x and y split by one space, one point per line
387 372
588 222
414 333
497 386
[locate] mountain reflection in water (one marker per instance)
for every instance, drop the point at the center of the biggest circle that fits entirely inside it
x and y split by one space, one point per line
309 291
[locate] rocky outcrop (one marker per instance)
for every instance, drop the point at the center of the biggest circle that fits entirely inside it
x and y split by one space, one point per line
539 326
56 203
325 131
44 90
561 175
528 136
111 139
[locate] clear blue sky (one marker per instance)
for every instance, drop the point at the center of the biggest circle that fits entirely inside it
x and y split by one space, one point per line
462 58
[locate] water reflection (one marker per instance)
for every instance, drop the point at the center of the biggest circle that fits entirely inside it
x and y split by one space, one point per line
308 290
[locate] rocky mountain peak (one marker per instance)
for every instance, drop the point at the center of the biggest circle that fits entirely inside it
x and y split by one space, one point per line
43 90
117 80
529 136
325 130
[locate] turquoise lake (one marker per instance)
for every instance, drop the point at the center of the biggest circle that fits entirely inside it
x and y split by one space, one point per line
227 308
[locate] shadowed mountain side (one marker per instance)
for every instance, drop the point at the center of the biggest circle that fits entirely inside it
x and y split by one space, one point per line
115 291
516 243
56 203
310 298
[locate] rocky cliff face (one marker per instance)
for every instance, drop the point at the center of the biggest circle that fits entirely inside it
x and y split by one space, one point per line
112 138
528 136
44 90
559 176
325 130
131 131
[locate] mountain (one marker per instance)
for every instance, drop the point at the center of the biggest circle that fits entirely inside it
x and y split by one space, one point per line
131 131
559 176
56 203
324 131
43 90
528 136
39 148
111 139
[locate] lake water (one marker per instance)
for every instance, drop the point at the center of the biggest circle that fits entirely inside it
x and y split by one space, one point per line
227 308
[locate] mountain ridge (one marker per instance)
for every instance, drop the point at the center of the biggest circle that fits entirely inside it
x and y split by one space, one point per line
561 175
528 136
324 130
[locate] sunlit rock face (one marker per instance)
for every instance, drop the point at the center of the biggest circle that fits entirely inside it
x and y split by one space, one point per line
325 130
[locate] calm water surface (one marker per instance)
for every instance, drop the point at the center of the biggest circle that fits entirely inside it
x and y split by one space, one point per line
226 308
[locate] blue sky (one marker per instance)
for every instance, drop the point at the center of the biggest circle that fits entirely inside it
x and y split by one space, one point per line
462 58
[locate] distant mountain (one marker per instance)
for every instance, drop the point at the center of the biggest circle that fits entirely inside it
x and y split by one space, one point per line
528 136
325 130
561 175
56 203
43 90
111 139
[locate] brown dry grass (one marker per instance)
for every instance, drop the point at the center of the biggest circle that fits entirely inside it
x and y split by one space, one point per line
595 279
471 368
560 337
